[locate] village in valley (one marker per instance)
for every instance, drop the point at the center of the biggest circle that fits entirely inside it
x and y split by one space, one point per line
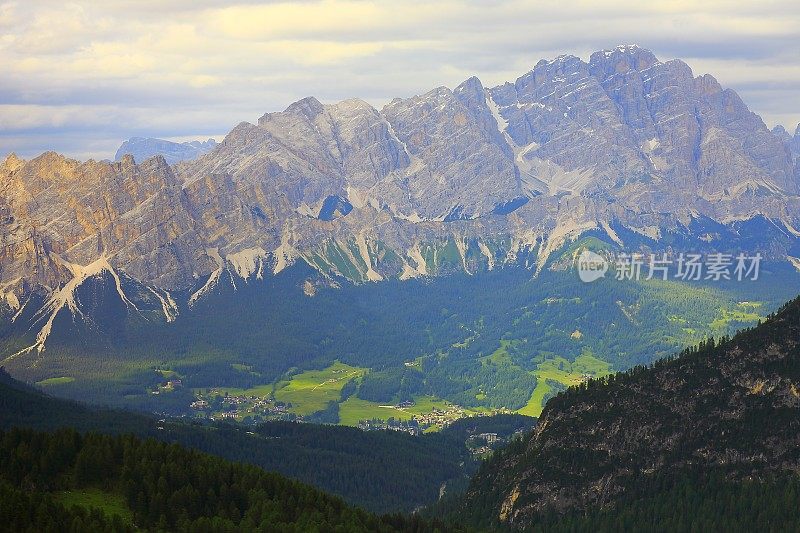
217 404
320 396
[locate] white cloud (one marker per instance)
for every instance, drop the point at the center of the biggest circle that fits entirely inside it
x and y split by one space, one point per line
81 76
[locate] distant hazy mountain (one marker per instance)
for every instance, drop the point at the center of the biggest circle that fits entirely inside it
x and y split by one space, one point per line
468 179
142 148
791 141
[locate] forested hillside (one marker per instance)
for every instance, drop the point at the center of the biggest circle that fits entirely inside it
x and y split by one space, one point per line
383 471
153 485
493 340
679 444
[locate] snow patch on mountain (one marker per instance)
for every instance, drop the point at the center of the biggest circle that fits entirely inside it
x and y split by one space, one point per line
248 262
168 304
64 298
213 278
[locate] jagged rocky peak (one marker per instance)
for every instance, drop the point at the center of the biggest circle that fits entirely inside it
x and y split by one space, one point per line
343 145
707 85
470 89
12 162
476 98
554 70
780 132
564 129
455 148
241 131
127 211
344 135
622 59
795 147
567 147
593 128
308 106
791 141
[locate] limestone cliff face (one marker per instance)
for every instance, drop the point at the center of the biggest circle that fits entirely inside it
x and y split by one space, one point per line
56 209
625 121
462 170
464 179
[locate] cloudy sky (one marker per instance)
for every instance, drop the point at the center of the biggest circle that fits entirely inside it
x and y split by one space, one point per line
79 77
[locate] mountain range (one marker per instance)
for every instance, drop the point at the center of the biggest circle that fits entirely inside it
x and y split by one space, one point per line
638 151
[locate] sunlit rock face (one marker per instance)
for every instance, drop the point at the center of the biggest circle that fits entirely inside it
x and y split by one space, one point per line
58 211
628 121
465 179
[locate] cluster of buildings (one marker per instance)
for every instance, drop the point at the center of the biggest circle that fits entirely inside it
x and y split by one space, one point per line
482 444
408 426
167 386
219 405
444 417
